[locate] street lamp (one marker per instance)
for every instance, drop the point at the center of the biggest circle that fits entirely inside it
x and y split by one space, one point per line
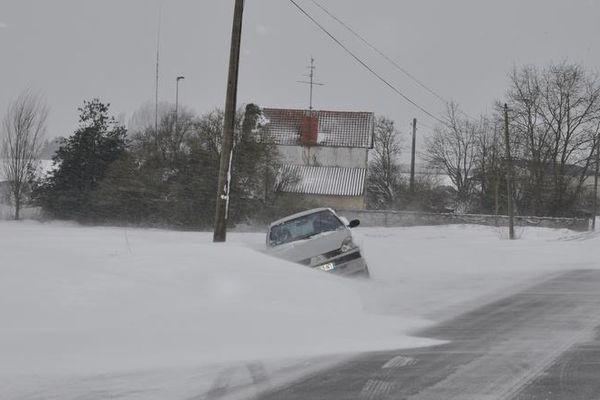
177 100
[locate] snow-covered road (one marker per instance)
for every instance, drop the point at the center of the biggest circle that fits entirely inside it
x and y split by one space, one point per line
155 314
498 351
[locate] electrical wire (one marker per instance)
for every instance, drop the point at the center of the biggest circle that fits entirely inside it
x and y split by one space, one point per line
362 63
425 126
382 54
386 57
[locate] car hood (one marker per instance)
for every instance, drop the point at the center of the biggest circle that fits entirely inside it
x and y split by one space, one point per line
311 247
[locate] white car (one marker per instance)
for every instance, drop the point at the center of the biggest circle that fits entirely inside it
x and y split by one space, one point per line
319 239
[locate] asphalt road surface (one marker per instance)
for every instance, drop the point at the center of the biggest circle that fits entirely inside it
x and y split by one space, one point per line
542 343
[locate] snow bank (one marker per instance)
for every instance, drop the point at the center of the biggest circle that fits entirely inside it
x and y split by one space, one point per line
148 313
80 300
438 272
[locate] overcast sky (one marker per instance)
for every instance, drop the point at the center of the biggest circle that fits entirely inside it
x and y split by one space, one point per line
71 50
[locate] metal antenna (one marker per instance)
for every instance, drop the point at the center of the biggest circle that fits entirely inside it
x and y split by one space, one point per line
157 60
311 82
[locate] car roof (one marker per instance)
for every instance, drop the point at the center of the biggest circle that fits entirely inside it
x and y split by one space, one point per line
300 214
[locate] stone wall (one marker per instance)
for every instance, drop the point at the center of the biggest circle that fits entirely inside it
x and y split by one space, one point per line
410 218
315 200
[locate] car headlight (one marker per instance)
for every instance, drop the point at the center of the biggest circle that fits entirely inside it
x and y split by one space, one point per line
347 245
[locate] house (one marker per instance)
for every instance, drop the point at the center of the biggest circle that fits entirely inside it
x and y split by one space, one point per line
424 171
326 151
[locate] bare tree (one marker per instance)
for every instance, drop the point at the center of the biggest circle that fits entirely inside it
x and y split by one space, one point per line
24 127
555 113
454 148
384 180
167 143
489 166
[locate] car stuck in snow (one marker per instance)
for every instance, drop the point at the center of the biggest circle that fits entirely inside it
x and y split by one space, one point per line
320 239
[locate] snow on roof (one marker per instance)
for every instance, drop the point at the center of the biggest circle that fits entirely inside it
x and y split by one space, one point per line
331 181
335 128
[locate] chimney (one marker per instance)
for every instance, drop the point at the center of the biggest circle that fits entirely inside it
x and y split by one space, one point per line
309 130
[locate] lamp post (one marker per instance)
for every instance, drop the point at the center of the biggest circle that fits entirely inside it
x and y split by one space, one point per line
177 100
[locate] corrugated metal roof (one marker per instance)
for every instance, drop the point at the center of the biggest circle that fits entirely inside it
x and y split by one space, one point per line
331 181
336 128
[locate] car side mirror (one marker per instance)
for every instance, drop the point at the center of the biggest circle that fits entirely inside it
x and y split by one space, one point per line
354 223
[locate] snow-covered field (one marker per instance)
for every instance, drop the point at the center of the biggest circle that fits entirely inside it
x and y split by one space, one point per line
95 312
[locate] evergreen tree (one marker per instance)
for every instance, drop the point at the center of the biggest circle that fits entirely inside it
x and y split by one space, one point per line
81 163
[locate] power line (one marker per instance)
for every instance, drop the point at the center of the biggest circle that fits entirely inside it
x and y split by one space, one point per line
425 126
361 62
382 54
386 57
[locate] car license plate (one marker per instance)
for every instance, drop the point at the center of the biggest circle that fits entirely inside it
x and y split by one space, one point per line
326 267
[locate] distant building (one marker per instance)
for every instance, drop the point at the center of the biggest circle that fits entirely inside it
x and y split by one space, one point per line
326 150
436 175
44 167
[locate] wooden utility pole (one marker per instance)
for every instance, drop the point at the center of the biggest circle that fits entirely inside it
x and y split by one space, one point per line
595 213
509 183
220 232
412 155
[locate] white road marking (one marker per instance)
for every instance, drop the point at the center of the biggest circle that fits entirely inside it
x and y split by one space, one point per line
375 389
399 361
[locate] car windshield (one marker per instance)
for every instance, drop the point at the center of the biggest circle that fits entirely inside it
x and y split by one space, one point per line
304 227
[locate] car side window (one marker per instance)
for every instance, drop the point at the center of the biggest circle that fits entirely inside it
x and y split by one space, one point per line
326 221
304 227
280 235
